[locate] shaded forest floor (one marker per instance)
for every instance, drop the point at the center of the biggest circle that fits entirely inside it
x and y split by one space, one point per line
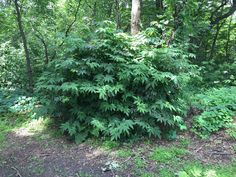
32 149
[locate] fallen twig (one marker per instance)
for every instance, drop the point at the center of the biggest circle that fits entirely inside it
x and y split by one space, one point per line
17 171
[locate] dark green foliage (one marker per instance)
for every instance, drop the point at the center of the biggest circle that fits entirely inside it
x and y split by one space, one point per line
218 75
218 110
15 101
12 65
8 98
111 87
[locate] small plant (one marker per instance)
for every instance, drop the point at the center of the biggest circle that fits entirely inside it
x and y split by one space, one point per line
234 148
147 174
83 174
184 142
139 162
165 154
231 130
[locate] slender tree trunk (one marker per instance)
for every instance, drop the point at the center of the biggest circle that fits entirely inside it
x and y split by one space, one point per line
135 17
111 8
27 57
40 37
45 51
228 38
118 16
159 4
215 39
94 11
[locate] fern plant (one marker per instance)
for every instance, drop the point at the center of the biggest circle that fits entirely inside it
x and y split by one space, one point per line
116 87
218 108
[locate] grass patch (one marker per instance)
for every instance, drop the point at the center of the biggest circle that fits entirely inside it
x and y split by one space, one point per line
105 144
40 129
110 145
165 172
139 162
124 153
165 154
196 169
9 122
148 174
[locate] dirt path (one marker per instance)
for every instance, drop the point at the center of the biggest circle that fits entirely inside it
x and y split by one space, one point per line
40 155
29 157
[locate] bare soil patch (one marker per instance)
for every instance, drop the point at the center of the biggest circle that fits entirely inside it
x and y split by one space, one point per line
32 156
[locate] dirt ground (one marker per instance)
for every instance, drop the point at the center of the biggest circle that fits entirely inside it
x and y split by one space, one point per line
41 155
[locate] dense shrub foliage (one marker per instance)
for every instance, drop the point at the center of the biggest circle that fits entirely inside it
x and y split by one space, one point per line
218 111
16 101
219 75
117 87
11 64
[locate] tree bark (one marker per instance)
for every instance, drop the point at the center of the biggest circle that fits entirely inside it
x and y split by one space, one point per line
228 38
135 17
226 15
159 4
218 27
118 16
45 48
27 56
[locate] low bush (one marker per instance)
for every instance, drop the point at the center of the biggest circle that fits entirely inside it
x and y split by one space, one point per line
15 101
218 108
116 86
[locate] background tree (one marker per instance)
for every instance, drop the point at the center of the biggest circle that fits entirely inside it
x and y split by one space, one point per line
27 56
135 17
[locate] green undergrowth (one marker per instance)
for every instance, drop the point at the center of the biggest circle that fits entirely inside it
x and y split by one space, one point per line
170 161
218 110
39 129
196 169
9 122
124 153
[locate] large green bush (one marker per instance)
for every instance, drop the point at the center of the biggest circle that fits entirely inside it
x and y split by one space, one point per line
116 86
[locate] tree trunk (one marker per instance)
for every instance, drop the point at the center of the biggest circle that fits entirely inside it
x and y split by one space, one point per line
118 16
159 4
218 27
27 57
40 37
135 17
228 38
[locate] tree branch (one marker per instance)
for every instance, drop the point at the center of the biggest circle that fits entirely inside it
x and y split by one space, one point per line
69 26
224 2
41 38
227 14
